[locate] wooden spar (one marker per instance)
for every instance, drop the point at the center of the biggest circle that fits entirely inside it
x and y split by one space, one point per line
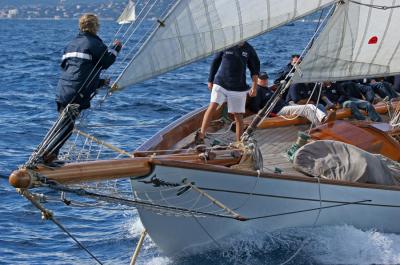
73 173
340 114
82 172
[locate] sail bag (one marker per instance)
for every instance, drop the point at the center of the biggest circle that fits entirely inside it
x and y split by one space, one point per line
341 161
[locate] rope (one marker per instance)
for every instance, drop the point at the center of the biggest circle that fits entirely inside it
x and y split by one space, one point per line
173 209
298 115
216 202
252 191
303 243
151 29
395 121
223 132
375 6
316 108
282 88
52 139
137 25
46 214
308 210
138 16
103 143
207 233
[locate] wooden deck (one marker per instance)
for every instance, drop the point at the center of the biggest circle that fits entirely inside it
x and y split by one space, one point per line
273 144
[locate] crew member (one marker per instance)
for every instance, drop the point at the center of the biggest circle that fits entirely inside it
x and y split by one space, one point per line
84 58
227 82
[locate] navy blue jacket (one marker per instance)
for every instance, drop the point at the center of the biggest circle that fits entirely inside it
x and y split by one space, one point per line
228 68
357 91
335 93
283 74
260 100
83 59
302 91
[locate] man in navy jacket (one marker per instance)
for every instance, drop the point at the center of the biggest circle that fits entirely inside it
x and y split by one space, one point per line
350 96
227 80
264 94
83 59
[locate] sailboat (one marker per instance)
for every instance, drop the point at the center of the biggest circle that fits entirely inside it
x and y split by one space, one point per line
194 197
129 14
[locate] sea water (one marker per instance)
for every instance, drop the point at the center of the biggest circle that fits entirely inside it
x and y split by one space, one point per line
30 52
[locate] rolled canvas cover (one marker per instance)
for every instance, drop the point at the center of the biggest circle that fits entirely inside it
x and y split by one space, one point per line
341 161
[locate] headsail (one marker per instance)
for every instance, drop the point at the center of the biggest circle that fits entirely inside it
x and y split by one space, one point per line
194 29
360 40
128 15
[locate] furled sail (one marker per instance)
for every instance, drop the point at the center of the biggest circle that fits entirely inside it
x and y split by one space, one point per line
360 40
128 15
194 29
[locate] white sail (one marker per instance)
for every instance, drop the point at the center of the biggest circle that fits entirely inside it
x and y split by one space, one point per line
361 40
195 29
128 15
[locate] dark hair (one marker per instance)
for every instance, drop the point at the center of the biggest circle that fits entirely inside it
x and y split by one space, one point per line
295 55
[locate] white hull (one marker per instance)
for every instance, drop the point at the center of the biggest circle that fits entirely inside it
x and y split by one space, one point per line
268 195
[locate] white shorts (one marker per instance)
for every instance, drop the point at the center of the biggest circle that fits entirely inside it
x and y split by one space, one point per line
236 100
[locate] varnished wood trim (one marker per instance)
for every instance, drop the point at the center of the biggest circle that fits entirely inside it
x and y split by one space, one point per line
340 114
221 169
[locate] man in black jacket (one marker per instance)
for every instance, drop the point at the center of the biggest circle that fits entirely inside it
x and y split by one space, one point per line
84 58
283 74
349 95
264 93
227 82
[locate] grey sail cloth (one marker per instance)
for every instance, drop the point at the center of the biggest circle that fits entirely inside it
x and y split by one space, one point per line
341 161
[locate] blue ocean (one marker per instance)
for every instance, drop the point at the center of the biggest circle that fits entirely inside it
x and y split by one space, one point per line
30 53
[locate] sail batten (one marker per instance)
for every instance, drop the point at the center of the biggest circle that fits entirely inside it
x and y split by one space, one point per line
196 29
360 41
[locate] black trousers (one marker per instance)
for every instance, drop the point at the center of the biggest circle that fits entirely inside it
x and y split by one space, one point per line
63 135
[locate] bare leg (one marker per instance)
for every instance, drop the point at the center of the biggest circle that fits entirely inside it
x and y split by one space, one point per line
207 118
239 125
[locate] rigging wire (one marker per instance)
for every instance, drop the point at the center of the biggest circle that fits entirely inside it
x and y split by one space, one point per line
151 29
46 214
135 22
263 113
316 107
174 209
305 241
207 233
89 79
382 7
147 33
167 13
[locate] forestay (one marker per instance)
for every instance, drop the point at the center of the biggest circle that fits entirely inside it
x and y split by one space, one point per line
194 29
129 14
360 40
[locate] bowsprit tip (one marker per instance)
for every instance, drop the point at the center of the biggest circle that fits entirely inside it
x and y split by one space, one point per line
20 179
